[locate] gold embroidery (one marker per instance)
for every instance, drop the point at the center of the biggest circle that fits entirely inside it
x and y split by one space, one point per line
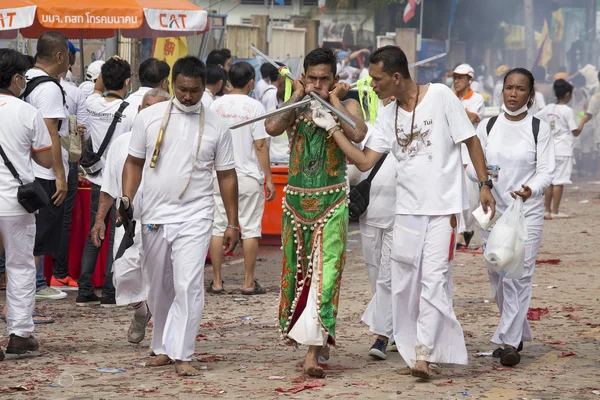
310 205
332 162
296 156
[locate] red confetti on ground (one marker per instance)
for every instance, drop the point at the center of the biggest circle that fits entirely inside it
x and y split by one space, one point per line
567 354
200 338
552 261
207 325
446 383
471 251
573 317
570 309
299 379
554 342
359 383
335 367
534 314
299 388
211 359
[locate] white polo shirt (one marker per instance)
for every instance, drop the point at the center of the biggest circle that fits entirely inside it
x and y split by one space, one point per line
237 108
429 171
135 99
22 131
164 184
101 116
112 179
48 99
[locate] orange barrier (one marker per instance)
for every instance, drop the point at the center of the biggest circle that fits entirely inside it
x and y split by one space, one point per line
271 221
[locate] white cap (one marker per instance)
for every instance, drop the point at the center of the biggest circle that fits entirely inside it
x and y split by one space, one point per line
93 70
465 69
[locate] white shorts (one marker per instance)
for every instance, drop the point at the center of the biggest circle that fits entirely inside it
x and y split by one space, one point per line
251 204
562 172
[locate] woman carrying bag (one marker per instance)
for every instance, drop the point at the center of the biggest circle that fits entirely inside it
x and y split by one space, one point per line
519 151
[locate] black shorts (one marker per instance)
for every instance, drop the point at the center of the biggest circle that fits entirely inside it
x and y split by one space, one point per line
48 223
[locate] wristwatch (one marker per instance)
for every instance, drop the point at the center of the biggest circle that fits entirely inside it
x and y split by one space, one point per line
487 183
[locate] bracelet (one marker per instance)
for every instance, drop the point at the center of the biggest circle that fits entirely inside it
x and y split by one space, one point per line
233 227
331 131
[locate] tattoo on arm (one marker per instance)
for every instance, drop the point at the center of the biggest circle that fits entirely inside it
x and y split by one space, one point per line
285 119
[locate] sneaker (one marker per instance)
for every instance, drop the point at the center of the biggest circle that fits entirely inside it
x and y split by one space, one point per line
378 350
67 283
137 329
87 300
21 345
49 293
108 302
510 357
559 216
547 215
393 346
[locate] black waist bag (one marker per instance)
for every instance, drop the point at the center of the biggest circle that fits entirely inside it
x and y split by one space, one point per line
92 162
31 196
359 195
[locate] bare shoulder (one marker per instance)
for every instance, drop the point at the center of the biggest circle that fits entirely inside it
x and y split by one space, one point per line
352 105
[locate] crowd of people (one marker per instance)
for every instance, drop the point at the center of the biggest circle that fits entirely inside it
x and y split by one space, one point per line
186 185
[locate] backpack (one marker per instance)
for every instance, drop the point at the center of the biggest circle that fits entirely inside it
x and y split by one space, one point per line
535 123
38 80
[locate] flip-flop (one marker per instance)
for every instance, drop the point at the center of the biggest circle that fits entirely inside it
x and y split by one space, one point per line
257 290
213 291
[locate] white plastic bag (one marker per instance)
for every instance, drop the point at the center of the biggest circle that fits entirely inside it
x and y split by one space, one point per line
505 249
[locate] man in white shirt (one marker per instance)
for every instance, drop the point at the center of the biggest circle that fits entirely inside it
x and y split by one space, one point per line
130 285
178 207
24 138
153 74
52 60
272 98
92 73
423 130
253 168
215 76
76 107
472 102
115 80
263 83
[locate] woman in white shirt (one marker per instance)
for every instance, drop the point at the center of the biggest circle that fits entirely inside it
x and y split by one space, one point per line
525 164
563 126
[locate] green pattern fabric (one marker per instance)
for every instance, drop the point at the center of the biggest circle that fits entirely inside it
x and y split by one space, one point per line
315 226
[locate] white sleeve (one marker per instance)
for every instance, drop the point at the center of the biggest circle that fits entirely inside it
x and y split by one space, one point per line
571 119
83 116
483 136
545 163
110 182
459 125
378 141
40 137
270 102
137 145
258 128
48 99
224 152
478 106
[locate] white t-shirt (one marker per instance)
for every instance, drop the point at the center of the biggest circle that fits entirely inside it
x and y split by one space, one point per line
87 88
429 171
382 194
112 180
538 104
472 102
590 73
101 116
561 119
164 184
22 131
48 99
208 98
135 99
269 98
237 108
259 89
511 146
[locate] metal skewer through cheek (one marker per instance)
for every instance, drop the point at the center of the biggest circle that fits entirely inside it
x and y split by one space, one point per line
315 96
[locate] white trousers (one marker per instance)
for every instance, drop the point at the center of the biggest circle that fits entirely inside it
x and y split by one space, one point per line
174 257
514 295
377 249
18 237
466 220
131 286
425 326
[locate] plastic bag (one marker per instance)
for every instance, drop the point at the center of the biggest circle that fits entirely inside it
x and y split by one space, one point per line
505 249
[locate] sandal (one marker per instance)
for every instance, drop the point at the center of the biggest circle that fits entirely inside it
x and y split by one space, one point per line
510 357
257 290
214 291
498 352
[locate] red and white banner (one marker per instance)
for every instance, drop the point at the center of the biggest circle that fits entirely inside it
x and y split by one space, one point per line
16 18
174 20
410 10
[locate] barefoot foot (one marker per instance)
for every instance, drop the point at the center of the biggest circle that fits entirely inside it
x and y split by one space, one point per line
184 368
325 352
405 371
421 370
311 366
159 361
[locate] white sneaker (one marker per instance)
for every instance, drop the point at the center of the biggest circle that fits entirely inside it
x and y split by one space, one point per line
560 216
49 293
